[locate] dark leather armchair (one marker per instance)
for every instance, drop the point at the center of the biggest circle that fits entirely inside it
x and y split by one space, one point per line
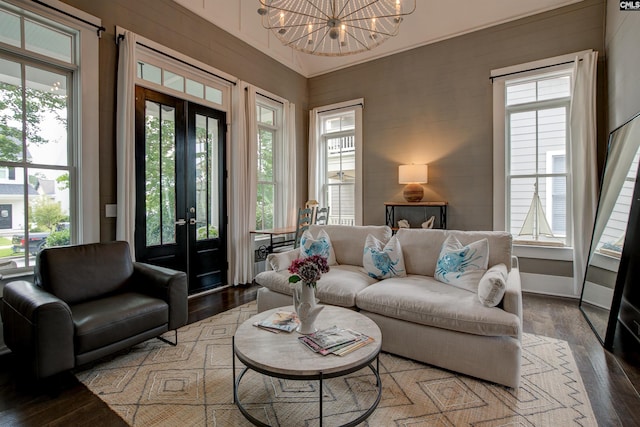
89 301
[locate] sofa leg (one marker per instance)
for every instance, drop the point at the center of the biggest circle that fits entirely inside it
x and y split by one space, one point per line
175 343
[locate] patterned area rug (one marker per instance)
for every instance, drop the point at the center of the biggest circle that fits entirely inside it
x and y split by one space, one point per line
154 384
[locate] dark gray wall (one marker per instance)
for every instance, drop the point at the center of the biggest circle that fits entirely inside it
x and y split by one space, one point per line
175 27
433 105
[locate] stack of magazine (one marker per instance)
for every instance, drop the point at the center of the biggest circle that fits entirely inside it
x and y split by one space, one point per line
335 340
279 321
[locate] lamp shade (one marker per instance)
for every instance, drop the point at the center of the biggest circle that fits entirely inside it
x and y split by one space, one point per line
413 174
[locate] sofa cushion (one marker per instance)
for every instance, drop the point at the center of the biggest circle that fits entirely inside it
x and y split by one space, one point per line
105 268
493 285
108 320
426 301
421 247
318 245
382 261
348 240
282 260
337 287
462 266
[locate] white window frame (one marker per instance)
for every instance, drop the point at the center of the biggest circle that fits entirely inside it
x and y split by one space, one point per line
499 77
84 122
356 106
278 142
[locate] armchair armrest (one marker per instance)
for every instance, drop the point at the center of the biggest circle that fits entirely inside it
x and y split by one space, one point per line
512 301
166 284
38 326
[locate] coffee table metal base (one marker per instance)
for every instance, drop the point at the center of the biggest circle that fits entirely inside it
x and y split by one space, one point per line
320 378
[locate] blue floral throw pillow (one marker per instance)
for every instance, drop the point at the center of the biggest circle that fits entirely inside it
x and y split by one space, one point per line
321 245
462 266
383 261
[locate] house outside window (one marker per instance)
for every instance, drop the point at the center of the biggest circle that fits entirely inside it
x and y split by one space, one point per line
269 145
41 170
536 152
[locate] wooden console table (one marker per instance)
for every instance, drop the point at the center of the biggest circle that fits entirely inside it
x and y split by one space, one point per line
390 208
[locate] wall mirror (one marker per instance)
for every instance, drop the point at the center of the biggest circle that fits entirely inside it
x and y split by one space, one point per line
605 273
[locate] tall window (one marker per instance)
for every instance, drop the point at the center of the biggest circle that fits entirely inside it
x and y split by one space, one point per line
338 141
40 170
536 150
336 176
269 124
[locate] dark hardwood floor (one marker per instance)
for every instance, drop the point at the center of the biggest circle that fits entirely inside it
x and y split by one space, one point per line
612 379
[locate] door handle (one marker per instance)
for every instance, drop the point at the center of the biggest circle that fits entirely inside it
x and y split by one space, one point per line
192 221
181 222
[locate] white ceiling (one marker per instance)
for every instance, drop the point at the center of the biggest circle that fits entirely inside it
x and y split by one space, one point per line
432 21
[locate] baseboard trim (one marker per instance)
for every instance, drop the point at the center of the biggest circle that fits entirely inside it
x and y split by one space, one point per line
559 286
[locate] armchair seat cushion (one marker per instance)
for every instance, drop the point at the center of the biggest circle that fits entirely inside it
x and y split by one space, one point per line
101 322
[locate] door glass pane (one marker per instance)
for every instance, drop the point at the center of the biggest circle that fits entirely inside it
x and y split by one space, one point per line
47 41
9 28
206 178
46 117
160 174
10 111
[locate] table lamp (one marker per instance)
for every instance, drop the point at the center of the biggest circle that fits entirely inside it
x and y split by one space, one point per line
413 176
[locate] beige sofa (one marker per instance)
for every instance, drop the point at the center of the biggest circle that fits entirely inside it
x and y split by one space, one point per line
420 317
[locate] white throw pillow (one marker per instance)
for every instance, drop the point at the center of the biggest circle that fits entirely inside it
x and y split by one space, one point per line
321 245
462 266
493 285
383 261
282 260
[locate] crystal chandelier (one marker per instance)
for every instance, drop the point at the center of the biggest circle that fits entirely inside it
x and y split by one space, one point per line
334 27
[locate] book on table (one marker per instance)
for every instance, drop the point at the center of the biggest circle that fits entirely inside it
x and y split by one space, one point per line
335 340
286 321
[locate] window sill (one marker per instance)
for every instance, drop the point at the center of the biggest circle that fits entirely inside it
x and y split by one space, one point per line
543 252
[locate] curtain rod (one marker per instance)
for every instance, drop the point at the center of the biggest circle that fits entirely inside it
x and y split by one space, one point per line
266 96
532 69
99 28
121 36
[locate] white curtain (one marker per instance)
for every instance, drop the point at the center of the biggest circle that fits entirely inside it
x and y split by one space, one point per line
125 141
315 190
582 123
288 172
241 182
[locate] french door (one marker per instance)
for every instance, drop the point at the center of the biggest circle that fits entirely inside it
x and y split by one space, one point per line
181 188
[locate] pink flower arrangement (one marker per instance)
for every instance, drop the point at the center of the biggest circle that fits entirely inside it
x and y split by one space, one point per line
309 269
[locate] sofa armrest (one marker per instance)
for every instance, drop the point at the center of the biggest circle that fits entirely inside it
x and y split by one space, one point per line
512 301
168 285
39 327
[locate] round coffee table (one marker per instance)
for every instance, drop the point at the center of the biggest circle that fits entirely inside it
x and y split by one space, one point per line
264 352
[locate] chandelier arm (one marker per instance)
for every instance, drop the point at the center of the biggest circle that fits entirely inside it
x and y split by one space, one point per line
369 30
363 44
320 23
361 8
378 16
312 4
320 42
295 12
304 36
